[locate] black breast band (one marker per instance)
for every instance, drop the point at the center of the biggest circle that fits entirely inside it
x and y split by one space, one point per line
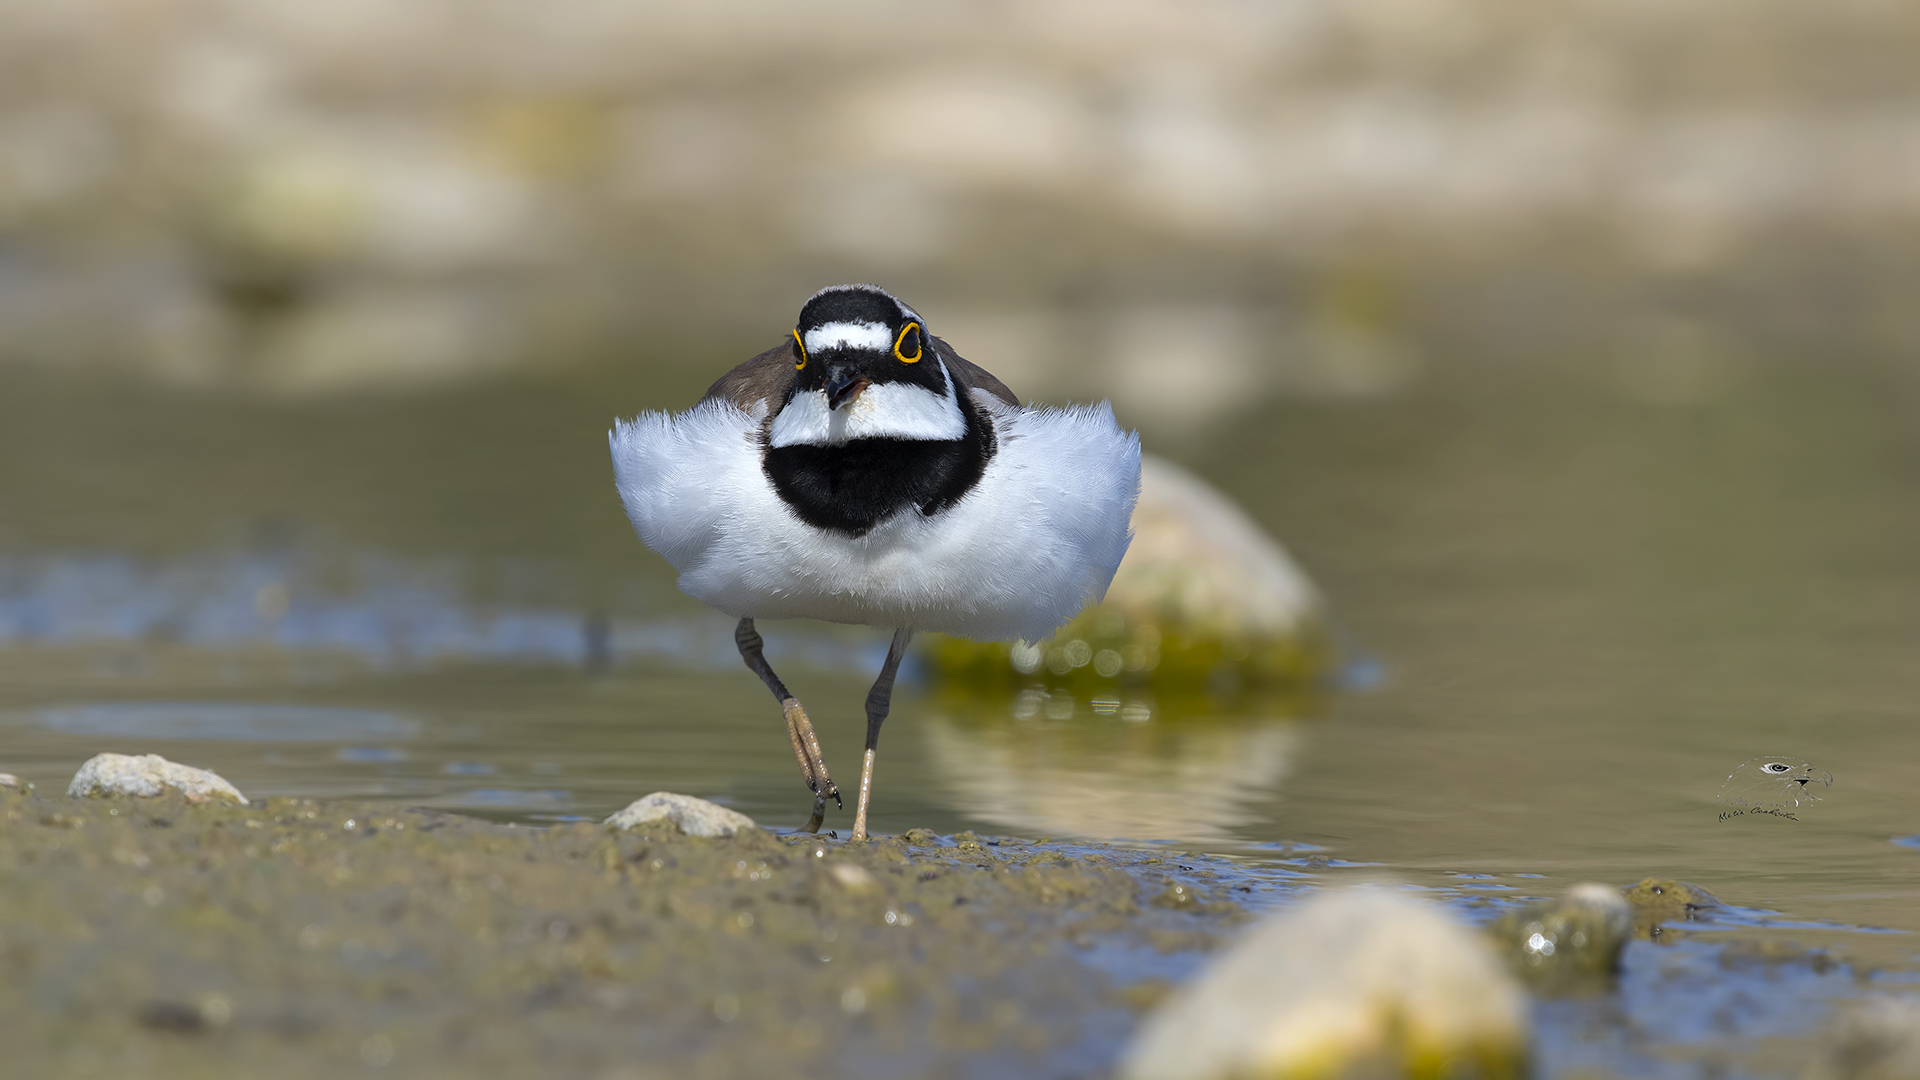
856 485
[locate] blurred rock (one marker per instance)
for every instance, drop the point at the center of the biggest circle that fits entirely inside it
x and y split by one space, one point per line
147 775
1366 982
854 879
695 817
1568 945
1660 902
1875 1039
1657 900
1204 602
10 782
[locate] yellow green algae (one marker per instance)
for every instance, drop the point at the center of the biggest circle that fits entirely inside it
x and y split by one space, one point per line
1107 654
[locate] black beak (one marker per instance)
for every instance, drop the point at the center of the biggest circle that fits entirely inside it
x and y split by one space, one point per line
843 386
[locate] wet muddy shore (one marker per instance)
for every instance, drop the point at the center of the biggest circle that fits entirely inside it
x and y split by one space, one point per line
299 938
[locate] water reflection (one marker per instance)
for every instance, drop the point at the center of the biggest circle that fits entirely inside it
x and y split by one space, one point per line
1109 775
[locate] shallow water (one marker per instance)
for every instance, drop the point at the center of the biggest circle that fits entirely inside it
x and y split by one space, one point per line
1568 615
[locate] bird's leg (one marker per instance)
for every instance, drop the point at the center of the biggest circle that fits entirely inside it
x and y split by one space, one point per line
806 745
878 699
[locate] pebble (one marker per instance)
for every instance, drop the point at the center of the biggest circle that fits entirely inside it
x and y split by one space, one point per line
1662 900
10 782
695 817
1875 1039
1356 982
1570 944
147 775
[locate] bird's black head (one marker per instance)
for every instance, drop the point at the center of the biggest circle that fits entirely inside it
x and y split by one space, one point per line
851 337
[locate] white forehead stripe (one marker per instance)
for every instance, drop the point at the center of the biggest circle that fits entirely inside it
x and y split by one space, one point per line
850 335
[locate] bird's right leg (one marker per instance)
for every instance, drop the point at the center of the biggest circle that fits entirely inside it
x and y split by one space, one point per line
806 745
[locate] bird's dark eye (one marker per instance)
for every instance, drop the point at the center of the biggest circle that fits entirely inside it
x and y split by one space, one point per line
1776 767
799 350
907 346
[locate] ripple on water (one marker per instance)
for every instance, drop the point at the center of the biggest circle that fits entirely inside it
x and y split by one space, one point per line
227 721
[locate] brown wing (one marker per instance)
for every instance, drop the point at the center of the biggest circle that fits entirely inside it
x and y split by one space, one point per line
973 376
767 377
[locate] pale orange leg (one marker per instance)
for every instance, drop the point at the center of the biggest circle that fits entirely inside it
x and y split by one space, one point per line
878 700
806 744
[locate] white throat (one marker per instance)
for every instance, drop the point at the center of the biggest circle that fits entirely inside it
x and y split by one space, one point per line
882 411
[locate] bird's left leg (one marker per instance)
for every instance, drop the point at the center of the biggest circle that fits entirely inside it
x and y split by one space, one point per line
878 699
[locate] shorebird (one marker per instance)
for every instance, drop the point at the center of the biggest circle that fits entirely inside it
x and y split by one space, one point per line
862 472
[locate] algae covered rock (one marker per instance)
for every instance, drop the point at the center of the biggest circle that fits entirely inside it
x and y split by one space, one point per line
695 817
1205 600
1567 945
1658 900
148 775
1366 982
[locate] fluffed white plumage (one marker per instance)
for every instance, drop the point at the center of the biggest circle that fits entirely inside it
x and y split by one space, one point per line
1038 538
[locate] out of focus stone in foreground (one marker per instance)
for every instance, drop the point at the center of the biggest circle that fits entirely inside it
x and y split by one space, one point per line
147 775
695 817
1876 1039
1366 982
1571 945
1204 601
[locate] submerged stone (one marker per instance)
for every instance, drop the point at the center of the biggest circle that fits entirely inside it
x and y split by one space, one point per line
148 775
1662 900
1568 945
695 817
1365 982
1204 602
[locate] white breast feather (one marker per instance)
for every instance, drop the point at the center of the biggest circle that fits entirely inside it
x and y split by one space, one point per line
1036 540
883 410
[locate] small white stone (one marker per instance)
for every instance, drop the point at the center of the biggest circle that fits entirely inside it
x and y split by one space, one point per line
147 775
695 817
11 782
853 878
1367 980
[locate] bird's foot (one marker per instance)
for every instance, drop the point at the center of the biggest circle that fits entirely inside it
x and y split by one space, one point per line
813 765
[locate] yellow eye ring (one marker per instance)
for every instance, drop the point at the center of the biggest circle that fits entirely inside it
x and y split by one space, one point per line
917 351
802 346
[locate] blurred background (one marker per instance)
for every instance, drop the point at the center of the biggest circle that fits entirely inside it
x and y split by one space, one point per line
1191 208
1570 347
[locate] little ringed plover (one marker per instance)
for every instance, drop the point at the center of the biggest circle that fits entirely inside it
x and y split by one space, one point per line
862 472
